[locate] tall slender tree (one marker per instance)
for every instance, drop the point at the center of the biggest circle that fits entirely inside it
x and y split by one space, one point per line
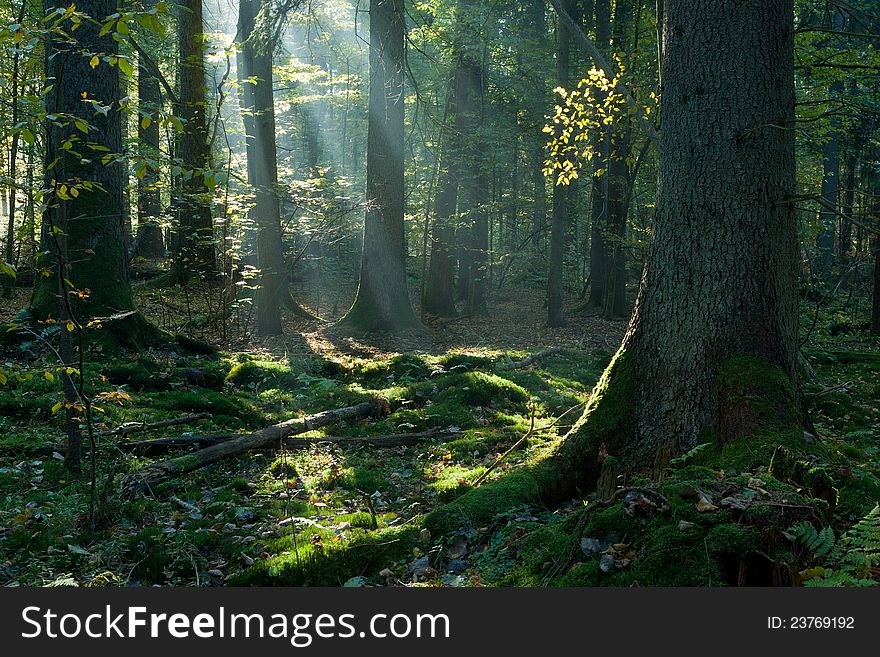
620 141
254 64
599 181
195 239
382 302
149 242
562 194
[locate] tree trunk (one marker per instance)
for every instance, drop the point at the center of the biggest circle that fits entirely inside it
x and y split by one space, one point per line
258 111
618 172
382 302
9 281
537 17
195 240
82 220
562 194
875 306
711 351
150 241
439 293
830 177
845 244
599 192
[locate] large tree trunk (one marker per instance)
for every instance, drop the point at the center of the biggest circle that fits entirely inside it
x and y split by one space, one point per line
562 194
711 350
382 302
195 240
150 241
718 308
83 221
254 65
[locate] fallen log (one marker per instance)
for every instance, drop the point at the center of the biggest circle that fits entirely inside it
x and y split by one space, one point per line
138 427
160 445
534 358
156 473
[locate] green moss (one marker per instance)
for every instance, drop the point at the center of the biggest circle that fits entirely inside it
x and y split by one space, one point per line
405 367
219 404
479 506
613 520
456 362
331 564
194 346
858 495
141 374
480 389
263 374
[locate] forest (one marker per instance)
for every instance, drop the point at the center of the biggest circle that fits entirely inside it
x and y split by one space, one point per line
440 293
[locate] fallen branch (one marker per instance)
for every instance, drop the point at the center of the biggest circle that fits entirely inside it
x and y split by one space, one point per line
140 427
160 445
828 391
273 435
534 358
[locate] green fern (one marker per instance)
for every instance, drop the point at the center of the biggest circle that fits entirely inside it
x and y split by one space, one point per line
821 543
852 560
684 458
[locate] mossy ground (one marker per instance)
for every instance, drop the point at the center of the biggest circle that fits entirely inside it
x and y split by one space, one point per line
325 515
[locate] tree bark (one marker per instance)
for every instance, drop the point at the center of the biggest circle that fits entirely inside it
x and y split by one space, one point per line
150 240
254 64
195 239
382 302
84 215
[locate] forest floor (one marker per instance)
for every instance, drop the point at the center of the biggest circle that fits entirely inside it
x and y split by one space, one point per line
318 513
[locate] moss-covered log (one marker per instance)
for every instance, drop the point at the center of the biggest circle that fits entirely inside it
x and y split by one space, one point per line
157 473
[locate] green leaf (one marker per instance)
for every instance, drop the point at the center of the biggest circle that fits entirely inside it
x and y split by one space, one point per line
125 66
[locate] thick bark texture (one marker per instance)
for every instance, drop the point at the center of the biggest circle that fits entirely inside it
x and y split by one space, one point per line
254 65
719 292
195 225
83 221
382 302
711 350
